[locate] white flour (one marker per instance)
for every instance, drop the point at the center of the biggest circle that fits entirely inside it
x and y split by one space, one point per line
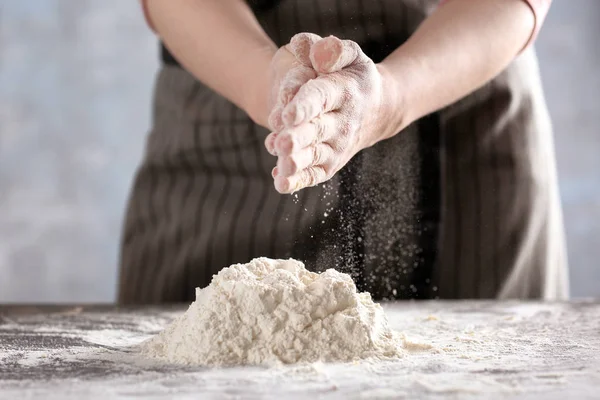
276 311
464 349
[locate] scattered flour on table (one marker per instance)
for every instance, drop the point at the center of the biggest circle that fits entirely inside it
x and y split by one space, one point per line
276 311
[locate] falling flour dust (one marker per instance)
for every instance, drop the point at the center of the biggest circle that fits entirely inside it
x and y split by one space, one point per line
276 311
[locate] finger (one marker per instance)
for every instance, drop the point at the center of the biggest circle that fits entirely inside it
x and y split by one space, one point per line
275 121
290 165
307 177
289 86
270 143
300 45
315 97
332 54
292 82
318 130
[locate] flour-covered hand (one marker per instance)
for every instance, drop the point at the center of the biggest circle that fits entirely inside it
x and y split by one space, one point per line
290 69
345 109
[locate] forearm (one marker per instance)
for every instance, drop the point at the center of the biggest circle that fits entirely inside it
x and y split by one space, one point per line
459 48
221 43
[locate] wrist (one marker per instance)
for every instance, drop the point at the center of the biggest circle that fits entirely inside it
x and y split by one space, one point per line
255 93
393 106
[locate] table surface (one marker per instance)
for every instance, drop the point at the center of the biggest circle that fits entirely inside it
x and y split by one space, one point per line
458 349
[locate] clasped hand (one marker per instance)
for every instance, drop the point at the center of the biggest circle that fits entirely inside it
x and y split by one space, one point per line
328 102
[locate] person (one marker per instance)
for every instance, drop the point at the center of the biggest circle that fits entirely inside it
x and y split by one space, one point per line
413 135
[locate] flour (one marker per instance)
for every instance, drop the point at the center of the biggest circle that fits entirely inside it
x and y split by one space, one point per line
479 350
276 311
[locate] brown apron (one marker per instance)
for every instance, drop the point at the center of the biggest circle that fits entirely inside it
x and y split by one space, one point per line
461 204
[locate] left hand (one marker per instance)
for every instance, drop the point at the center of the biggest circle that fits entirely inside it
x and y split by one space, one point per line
288 68
347 108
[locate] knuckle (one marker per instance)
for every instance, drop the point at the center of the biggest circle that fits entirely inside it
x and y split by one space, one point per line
329 150
297 76
320 129
298 37
311 176
305 74
274 121
313 88
320 175
338 145
270 142
317 156
323 90
285 94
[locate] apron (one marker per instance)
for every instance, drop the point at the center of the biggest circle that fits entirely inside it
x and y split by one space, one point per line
461 204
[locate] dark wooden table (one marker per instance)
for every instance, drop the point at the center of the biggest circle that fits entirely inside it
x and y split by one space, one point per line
454 350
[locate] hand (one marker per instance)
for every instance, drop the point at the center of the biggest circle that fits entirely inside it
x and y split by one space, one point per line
290 67
347 108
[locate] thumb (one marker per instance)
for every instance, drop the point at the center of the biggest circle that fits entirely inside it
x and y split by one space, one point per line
332 54
300 45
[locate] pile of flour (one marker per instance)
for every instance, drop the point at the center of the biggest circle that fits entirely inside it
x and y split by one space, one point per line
276 311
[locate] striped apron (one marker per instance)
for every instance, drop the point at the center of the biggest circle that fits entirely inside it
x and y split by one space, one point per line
461 204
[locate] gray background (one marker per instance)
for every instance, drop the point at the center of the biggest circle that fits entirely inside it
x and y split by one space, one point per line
75 88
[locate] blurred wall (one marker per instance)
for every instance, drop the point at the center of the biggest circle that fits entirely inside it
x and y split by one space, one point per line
75 89
569 52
